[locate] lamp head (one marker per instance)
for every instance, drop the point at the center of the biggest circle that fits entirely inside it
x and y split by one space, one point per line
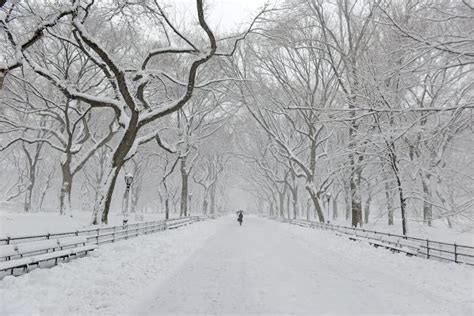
128 178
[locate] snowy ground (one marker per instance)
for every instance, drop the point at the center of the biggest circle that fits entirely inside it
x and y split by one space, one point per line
108 280
20 223
268 267
263 267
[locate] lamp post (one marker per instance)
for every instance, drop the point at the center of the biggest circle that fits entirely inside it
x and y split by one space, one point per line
128 183
328 199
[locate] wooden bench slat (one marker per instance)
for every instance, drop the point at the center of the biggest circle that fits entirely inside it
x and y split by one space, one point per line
83 249
36 246
50 245
51 255
383 244
70 241
17 263
7 251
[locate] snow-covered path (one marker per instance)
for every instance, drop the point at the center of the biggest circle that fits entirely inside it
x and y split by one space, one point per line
269 267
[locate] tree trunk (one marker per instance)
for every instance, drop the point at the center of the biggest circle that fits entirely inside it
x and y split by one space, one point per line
32 165
402 206
288 206
47 186
213 198
66 189
167 208
118 159
314 198
427 206
308 209
204 206
294 196
334 208
184 189
190 205
135 196
281 198
347 199
367 208
28 194
400 189
447 207
101 210
356 206
389 200
295 203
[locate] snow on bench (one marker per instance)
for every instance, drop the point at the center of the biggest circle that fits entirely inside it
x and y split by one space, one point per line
36 246
24 255
178 222
6 251
17 263
69 241
394 246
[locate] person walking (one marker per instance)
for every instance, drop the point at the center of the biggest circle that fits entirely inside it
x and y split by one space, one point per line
240 217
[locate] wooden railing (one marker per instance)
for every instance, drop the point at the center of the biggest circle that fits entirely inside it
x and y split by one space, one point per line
429 249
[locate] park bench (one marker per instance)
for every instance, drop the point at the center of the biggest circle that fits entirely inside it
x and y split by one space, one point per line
397 245
27 254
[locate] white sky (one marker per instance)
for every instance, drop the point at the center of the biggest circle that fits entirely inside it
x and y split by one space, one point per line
224 15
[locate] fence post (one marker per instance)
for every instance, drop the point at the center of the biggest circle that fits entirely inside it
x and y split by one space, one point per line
8 240
427 248
113 234
97 236
48 235
138 228
455 253
77 232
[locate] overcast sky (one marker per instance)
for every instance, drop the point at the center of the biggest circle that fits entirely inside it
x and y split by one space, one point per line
224 15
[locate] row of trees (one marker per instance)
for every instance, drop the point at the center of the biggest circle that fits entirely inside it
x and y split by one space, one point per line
366 104
89 90
348 109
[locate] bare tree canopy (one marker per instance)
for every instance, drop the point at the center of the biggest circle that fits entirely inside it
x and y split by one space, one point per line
333 110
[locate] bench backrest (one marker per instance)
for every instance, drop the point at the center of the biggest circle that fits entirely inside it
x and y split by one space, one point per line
409 243
37 246
70 241
7 251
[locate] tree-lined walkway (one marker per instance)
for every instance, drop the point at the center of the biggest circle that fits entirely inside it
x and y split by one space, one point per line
269 267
